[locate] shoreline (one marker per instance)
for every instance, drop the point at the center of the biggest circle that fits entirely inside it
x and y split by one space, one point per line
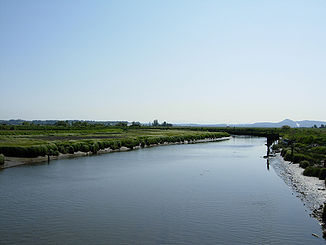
11 162
310 190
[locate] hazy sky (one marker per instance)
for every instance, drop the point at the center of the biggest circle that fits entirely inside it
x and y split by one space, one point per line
179 61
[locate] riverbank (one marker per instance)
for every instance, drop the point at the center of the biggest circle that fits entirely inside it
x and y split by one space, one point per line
310 190
17 161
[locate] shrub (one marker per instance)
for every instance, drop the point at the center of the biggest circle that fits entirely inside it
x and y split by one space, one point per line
319 149
324 213
322 173
2 159
283 152
101 145
37 150
84 147
297 157
127 143
71 149
94 148
114 145
276 147
304 164
61 149
288 156
311 171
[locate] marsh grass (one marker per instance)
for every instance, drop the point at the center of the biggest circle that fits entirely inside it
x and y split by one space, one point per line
33 143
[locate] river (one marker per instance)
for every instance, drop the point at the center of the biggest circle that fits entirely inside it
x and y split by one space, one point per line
208 193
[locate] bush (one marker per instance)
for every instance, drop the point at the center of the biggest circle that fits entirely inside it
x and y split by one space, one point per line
2 159
324 213
288 156
322 173
297 157
71 149
85 147
304 164
319 149
94 148
276 147
311 171
284 151
129 143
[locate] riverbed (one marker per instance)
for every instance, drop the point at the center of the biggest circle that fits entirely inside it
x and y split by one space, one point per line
209 193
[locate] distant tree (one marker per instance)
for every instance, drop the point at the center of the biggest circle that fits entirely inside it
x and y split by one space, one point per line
76 123
155 123
62 123
85 124
322 126
286 127
26 123
315 126
121 124
135 124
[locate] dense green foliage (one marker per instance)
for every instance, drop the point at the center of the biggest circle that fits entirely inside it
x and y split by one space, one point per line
305 146
262 132
304 164
311 171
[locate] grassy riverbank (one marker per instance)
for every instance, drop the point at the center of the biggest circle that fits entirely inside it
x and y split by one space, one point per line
306 147
35 141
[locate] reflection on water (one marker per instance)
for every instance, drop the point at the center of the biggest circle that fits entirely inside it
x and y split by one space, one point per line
212 193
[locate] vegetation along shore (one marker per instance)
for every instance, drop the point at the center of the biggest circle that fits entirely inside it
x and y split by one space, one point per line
31 143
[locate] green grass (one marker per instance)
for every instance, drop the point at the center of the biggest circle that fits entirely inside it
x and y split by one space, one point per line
22 142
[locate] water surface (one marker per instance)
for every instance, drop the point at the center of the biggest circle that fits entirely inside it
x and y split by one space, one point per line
210 193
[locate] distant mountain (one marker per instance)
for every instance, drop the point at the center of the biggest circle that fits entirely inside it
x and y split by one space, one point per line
291 123
288 122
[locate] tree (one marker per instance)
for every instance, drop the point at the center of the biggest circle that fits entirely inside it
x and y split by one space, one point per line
62 123
135 124
121 124
155 123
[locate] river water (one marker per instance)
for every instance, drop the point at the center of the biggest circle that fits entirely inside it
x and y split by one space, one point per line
209 193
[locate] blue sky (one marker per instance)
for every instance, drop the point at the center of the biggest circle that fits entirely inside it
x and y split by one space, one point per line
179 61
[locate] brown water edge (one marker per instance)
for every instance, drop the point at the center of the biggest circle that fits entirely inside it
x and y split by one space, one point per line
17 161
